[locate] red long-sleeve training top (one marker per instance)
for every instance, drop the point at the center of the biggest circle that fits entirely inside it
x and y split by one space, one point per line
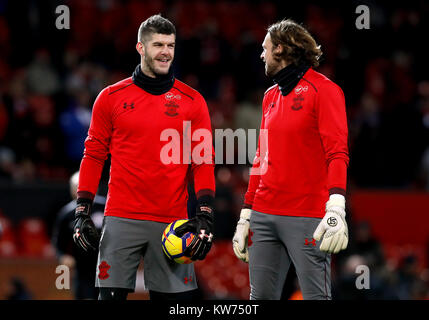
127 122
306 155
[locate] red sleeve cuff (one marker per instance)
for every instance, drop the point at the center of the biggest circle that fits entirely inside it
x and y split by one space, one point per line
85 195
247 206
337 191
337 175
205 192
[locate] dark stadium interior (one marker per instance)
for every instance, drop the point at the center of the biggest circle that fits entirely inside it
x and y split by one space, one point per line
49 79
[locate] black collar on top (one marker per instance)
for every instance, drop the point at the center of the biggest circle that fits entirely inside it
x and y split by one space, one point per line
288 77
159 85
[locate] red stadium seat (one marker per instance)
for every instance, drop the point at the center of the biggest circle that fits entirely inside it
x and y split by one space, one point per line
222 275
8 246
34 241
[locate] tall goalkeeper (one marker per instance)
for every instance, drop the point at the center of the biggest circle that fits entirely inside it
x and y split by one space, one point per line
146 193
295 201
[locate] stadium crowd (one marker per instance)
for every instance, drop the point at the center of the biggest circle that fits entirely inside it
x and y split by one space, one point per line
49 79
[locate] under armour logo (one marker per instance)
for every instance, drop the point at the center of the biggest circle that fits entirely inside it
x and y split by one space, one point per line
76 234
186 279
203 235
131 106
313 242
210 237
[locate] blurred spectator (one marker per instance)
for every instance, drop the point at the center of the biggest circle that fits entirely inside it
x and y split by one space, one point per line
83 263
7 162
367 246
17 290
409 284
248 112
74 123
41 76
344 285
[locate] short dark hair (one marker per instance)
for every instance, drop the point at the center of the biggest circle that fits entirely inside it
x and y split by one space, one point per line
298 44
155 24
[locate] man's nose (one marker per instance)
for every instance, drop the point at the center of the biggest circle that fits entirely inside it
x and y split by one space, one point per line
165 50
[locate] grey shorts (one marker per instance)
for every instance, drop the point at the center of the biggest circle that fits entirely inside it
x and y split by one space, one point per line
276 242
124 242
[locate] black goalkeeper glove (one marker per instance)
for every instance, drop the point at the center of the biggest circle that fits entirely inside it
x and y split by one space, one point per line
85 234
201 225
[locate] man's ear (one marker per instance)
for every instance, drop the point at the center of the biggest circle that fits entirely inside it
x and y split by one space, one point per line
140 48
278 50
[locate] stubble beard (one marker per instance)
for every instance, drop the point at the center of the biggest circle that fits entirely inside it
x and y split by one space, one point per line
272 68
149 65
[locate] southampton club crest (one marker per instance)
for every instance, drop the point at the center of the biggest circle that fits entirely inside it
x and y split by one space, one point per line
171 104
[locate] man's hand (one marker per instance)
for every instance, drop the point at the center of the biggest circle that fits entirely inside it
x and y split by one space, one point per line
85 234
241 235
333 228
201 225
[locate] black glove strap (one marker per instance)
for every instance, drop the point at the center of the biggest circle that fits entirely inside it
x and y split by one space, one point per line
205 207
83 207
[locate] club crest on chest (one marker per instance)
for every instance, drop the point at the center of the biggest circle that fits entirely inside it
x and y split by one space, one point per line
171 104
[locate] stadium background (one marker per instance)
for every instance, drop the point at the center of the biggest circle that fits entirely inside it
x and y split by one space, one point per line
49 79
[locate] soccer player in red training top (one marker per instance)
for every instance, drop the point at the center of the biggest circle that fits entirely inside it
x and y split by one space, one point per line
145 192
295 207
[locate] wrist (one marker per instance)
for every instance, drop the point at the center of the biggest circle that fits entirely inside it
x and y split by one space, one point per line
206 200
83 206
205 206
336 204
245 214
85 195
247 206
336 200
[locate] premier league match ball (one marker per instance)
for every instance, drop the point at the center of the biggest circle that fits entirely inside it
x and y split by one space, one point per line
174 246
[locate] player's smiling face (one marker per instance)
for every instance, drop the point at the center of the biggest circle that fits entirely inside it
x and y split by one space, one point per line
158 54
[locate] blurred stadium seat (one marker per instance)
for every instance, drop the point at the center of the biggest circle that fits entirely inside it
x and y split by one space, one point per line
8 246
33 239
221 275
